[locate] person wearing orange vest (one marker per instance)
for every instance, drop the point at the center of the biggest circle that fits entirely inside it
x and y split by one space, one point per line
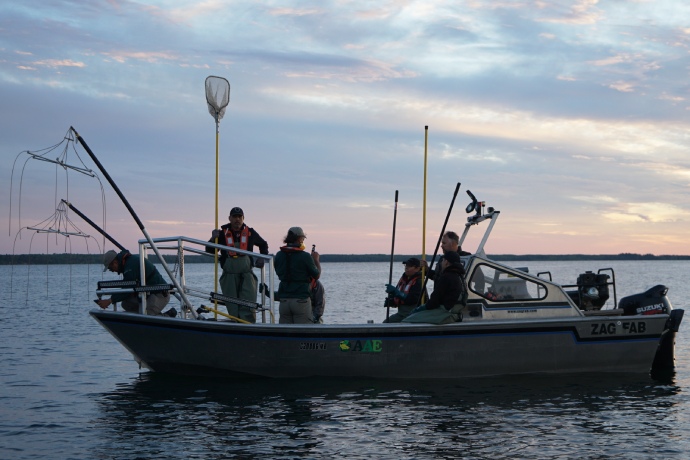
238 280
405 295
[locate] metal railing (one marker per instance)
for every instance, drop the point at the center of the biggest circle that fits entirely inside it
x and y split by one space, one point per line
185 244
182 245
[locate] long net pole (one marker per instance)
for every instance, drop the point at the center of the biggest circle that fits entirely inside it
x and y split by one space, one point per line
389 299
185 300
440 236
426 138
215 250
217 99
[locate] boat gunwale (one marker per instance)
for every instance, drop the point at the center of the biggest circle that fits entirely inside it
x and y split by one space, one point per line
384 330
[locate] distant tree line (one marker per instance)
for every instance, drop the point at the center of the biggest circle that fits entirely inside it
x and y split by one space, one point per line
566 257
59 259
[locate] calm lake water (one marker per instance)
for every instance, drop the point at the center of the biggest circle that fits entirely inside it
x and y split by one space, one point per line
68 390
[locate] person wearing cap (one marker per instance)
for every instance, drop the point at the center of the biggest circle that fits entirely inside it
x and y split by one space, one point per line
445 304
295 269
129 267
238 280
405 296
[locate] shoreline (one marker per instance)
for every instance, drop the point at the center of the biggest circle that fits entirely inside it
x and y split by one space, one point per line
62 259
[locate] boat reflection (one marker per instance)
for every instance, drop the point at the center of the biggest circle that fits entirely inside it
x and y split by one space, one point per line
500 418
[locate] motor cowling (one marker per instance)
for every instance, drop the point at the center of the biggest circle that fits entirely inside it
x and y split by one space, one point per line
651 302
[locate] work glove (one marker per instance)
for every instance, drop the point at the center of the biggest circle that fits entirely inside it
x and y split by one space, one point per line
215 234
316 319
390 289
418 309
259 263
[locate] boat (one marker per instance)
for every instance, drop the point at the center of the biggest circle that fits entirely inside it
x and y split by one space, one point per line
515 322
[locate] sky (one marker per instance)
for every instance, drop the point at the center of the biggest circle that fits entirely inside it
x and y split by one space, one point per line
570 117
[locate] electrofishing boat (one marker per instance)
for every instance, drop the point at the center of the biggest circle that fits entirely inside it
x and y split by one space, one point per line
514 322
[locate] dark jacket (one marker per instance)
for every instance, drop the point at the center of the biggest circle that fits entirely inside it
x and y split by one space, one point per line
433 273
318 298
129 268
447 288
253 240
295 268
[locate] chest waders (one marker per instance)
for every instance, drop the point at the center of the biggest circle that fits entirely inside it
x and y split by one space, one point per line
239 281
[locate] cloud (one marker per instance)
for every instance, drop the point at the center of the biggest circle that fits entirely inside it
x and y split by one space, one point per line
56 63
146 56
578 12
294 11
653 212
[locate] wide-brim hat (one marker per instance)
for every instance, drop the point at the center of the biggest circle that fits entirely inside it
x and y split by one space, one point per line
108 257
297 231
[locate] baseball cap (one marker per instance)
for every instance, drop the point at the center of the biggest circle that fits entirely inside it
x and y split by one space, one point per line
236 211
413 261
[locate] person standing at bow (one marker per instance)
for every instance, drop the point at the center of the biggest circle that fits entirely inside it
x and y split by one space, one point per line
237 279
405 295
295 268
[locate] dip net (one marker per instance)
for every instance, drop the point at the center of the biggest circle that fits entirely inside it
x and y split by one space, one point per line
217 96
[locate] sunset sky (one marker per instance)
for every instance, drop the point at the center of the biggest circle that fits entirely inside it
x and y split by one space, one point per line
570 117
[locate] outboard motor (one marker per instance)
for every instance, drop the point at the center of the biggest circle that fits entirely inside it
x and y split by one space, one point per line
654 302
651 302
592 290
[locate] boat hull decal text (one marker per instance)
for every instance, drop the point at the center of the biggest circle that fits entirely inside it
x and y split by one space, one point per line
362 346
312 346
624 327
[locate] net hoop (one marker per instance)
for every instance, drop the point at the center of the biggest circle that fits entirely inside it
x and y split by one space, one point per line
217 96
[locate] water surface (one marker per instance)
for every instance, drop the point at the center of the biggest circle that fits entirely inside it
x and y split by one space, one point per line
70 390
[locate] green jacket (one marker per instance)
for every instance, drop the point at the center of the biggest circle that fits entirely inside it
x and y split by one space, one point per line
294 267
128 266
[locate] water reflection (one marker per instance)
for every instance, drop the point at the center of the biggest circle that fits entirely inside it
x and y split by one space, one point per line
498 418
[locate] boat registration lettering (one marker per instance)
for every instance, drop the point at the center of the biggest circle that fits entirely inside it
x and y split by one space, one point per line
312 346
622 327
362 346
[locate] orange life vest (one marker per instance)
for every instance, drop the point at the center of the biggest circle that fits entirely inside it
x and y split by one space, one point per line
244 239
405 288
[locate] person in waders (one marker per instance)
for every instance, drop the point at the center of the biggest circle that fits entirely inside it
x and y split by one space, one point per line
295 268
237 279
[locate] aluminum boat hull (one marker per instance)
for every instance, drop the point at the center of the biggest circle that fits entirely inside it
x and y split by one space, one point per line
601 344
